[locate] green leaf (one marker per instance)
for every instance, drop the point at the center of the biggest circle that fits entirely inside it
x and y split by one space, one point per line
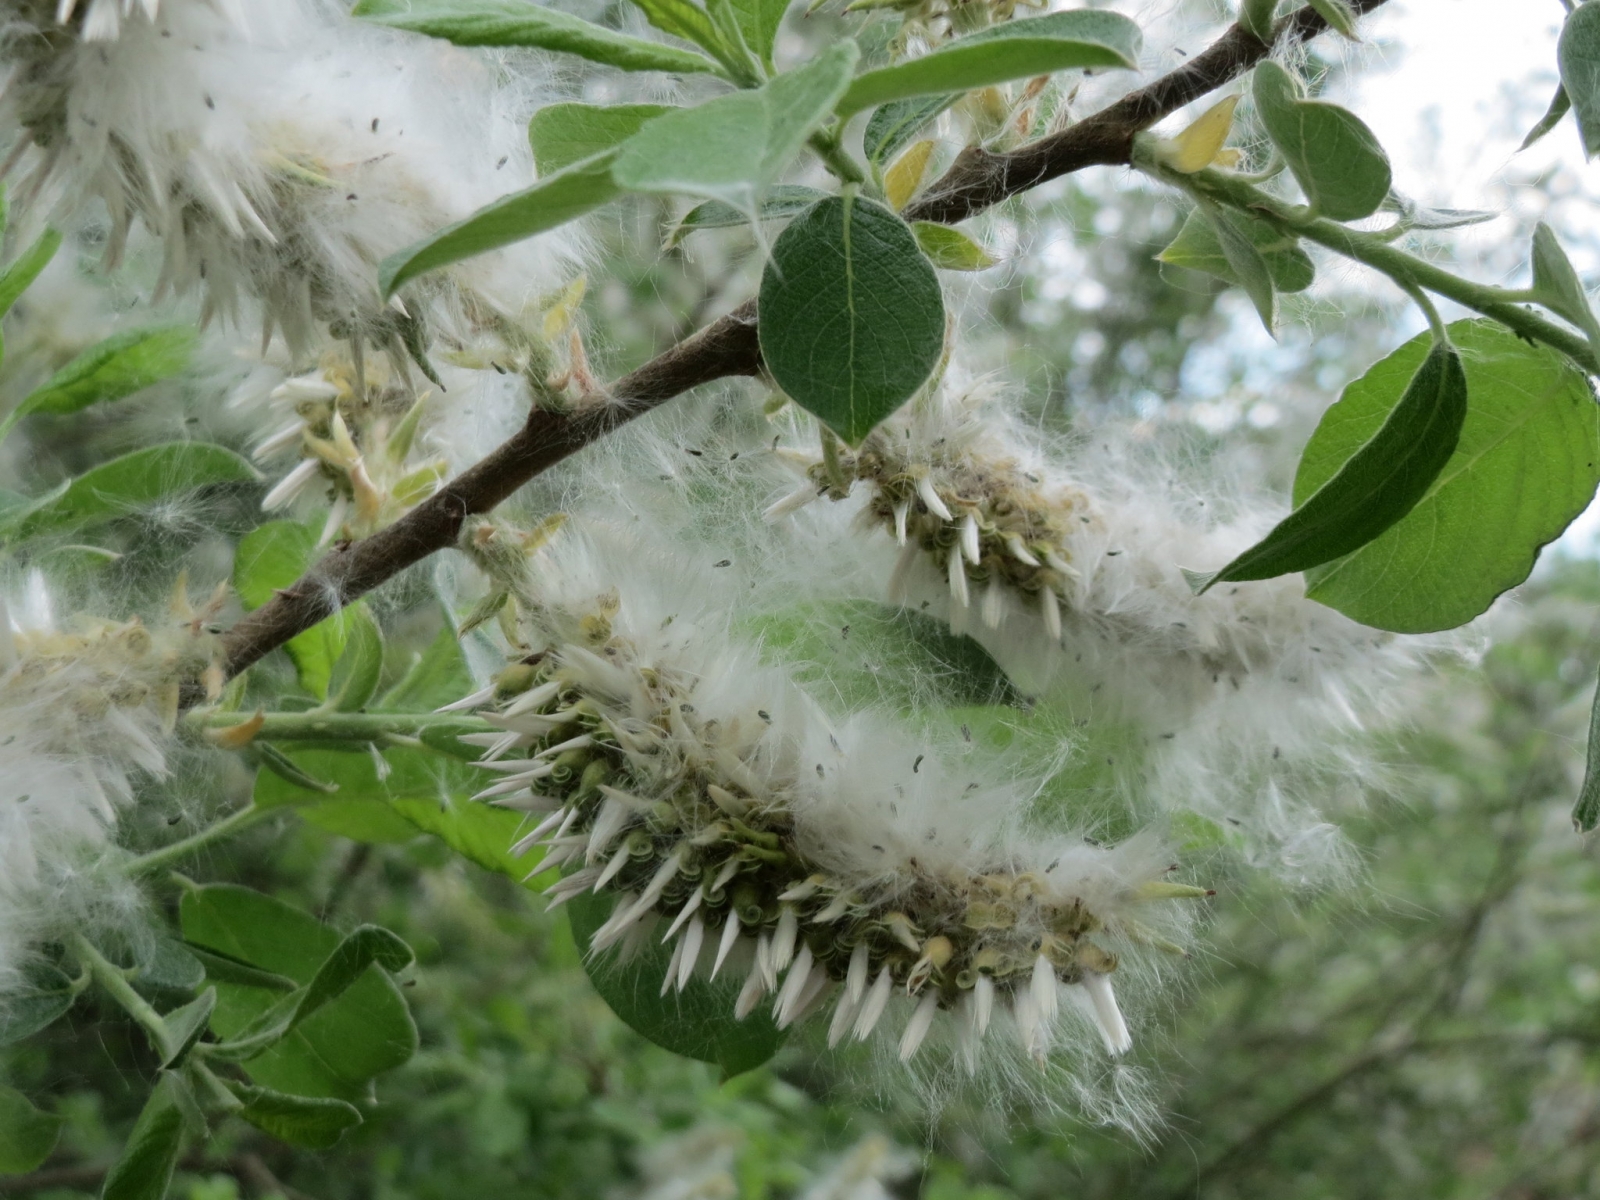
697 1022
1578 56
1560 103
1011 50
949 248
124 485
338 1048
851 315
685 20
27 1136
563 134
1528 461
1341 18
316 1124
731 148
364 809
783 200
520 23
274 556
1334 156
1380 482
1235 236
438 677
44 998
551 202
118 367
355 675
144 1171
1557 287
1586 813
868 655
478 832
759 21
222 968
20 274
1197 248
183 1027
895 125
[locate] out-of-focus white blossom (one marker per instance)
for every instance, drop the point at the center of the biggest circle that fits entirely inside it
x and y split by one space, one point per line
86 705
278 150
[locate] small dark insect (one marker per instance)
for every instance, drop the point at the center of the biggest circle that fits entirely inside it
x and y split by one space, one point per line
727 562
764 715
918 763
374 124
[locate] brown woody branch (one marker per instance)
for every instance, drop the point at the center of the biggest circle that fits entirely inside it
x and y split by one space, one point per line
727 347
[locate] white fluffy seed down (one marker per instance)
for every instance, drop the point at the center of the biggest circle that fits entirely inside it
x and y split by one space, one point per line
1240 705
279 150
663 762
83 712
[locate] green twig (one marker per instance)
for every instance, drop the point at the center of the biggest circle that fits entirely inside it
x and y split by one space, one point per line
112 978
337 727
160 859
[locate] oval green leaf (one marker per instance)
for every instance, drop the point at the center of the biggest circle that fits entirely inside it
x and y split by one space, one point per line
124 485
1379 483
851 315
519 23
950 249
1527 463
1335 158
697 1022
27 1136
563 134
551 202
1011 50
1578 55
316 1124
895 125
733 147
1196 248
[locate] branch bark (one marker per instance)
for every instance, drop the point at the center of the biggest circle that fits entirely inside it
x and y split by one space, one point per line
728 347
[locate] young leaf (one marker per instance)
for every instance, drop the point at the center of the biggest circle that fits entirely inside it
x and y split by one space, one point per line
687 20
697 1022
950 249
783 200
759 21
519 23
184 1026
895 125
1578 56
563 134
1010 50
16 278
1378 485
121 487
1341 18
731 148
1256 18
1197 248
1527 463
553 201
1334 156
121 365
1199 144
27 1136
337 1049
1560 103
144 1171
355 675
45 996
1234 236
315 1124
900 181
851 315
476 831
1557 287
1586 813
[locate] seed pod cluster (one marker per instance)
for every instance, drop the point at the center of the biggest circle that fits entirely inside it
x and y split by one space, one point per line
693 816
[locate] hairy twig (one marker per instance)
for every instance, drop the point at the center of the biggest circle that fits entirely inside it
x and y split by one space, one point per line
729 347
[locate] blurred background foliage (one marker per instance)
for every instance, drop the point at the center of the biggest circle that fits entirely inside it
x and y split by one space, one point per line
1431 1032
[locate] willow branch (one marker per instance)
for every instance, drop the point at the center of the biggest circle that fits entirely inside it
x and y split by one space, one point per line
728 347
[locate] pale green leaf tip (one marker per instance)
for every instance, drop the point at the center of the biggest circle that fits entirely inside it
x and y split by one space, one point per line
1199 581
